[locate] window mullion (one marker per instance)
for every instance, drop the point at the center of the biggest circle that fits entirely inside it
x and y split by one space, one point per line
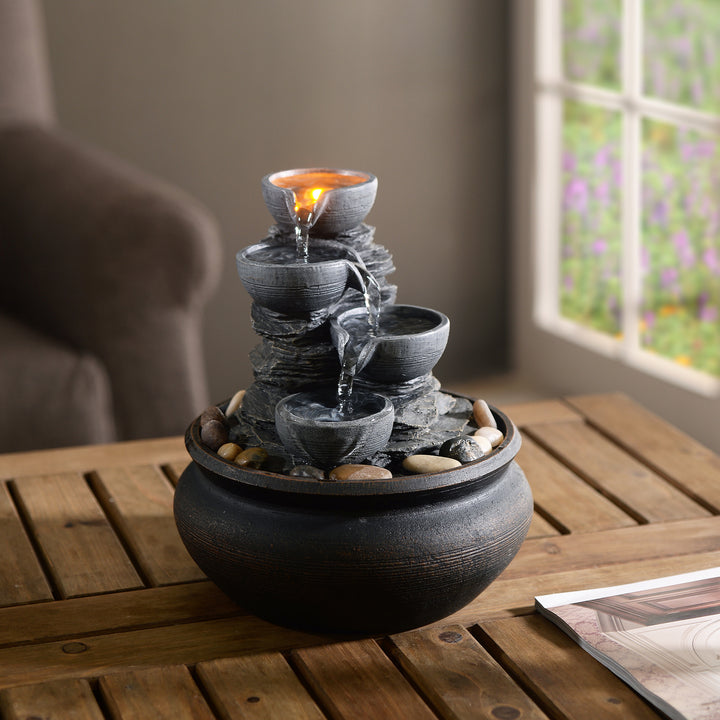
631 178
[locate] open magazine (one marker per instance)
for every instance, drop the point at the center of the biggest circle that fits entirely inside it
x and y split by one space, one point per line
660 636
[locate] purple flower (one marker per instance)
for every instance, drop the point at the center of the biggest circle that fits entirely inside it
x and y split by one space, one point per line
711 260
599 247
668 277
683 248
568 282
660 213
576 195
708 313
568 161
649 318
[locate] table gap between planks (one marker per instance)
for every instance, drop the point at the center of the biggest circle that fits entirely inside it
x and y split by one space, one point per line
104 615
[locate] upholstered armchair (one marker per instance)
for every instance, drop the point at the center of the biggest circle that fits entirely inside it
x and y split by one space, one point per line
104 274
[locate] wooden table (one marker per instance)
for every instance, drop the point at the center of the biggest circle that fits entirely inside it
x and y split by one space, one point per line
103 614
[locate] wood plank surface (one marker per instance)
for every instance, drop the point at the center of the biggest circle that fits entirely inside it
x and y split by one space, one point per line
516 596
540 527
162 693
543 411
58 700
257 686
568 682
357 680
21 577
573 504
79 546
630 484
459 677
93 457
183 643
99 614
139 499
568 552
656 442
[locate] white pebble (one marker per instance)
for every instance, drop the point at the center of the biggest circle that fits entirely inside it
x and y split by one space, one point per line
483 443
235 403
492 434
483 415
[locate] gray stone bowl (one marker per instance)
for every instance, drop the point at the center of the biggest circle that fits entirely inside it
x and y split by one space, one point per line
329 442
344 207
296 287
418 340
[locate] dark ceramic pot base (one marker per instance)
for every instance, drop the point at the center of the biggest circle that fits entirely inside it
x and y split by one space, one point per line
359 557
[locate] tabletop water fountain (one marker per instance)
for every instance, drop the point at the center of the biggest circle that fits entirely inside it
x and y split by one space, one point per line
344 491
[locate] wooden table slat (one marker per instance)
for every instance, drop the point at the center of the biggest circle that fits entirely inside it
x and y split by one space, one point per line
58 699
183 643
99 614
257 686
570 682
575 505
162 693
656 442
22 579
542 411
79 545
139 500
540 527
357 680
460 678
629 483
86 458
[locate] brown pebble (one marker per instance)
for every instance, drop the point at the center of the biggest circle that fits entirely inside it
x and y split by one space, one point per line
229 451
483 415
212 413
252 457
214 434
429 463
360 472
235 403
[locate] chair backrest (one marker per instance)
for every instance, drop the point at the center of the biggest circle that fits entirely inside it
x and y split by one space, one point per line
25 91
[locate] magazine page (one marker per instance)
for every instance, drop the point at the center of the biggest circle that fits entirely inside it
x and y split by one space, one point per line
661 636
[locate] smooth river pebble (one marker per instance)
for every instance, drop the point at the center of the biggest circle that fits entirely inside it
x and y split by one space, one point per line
483 443
360 472
491 433
212 413
235 403
483 415
214 434
229 451
252 457
463 449
429 463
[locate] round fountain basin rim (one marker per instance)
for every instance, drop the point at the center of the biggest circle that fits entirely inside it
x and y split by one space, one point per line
443 321
368 177
476 471
385 409
243 256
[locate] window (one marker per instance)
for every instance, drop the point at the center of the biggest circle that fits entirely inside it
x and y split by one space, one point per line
627 182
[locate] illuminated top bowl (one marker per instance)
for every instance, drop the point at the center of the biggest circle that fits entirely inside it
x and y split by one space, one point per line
345 206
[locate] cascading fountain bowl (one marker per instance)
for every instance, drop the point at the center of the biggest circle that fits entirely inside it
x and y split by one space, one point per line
344 208
409 342
276 280
310 425
366 557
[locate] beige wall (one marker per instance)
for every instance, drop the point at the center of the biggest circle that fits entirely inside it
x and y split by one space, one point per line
213 94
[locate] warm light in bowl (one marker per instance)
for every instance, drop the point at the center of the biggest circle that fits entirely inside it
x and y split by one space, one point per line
308 188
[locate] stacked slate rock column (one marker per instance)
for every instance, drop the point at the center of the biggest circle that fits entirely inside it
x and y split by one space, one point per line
296 354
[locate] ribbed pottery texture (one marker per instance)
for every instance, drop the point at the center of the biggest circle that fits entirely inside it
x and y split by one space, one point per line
376 556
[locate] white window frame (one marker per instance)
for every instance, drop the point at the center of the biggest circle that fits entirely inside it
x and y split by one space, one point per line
550 351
